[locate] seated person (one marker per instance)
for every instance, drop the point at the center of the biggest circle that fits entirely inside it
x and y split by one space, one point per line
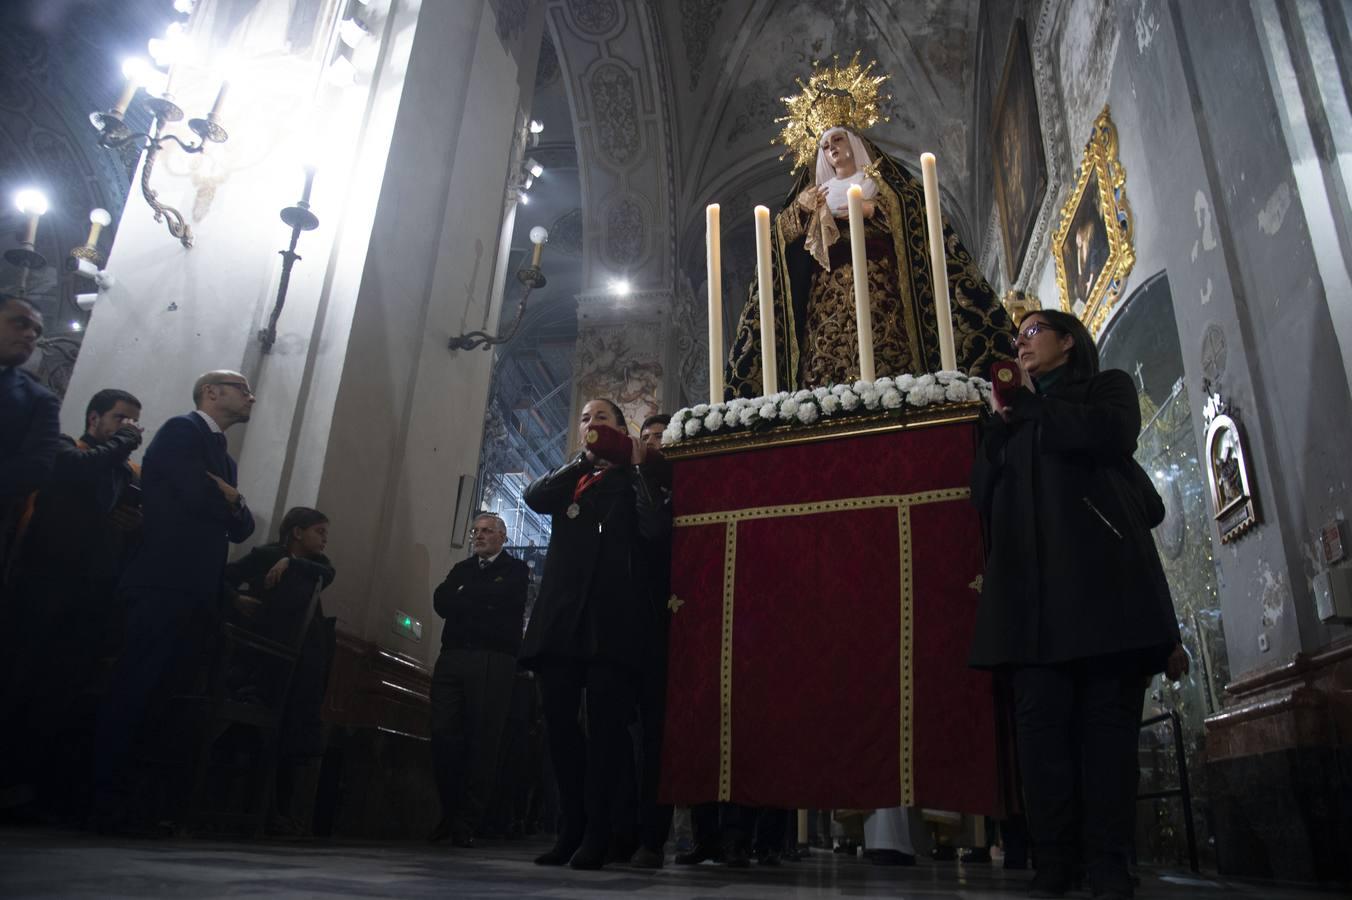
276 582
300 547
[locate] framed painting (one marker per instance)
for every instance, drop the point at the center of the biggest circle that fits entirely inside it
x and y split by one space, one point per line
1093 247
1020 163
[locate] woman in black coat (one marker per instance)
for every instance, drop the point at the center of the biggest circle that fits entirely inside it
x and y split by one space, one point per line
590 628
1074 605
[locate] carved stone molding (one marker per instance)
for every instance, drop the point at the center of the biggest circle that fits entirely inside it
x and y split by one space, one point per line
595 17
613 99
698 18
625 233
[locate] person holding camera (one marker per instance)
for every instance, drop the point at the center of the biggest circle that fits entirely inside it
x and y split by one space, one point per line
1074 604
590 627
76 542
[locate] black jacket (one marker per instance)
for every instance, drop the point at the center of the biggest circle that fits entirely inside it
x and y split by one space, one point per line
70 526
596 595
188 526
1071 568
285 603
483 606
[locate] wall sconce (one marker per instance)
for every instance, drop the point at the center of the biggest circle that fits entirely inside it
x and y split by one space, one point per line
299 218
114 134
33 204
531 277
87 260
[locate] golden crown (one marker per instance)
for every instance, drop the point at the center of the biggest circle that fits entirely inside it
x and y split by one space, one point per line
848 97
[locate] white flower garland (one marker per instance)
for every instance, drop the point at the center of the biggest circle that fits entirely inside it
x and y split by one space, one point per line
807 407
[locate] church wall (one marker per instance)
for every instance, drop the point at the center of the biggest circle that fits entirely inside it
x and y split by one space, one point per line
1245 223
407 420
1210 181
362 410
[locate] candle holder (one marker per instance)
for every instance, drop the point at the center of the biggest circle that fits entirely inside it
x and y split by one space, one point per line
299 218
25 257
114 135
532 278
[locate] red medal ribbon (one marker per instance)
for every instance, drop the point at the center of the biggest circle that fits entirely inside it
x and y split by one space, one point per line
587 481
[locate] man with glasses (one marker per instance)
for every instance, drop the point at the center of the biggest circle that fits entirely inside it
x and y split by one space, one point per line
483 601
192 512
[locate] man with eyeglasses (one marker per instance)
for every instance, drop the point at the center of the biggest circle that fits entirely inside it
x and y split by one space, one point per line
483 601
192 512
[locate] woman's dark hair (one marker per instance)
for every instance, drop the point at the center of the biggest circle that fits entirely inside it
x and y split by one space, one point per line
1084 357
301 517
615 408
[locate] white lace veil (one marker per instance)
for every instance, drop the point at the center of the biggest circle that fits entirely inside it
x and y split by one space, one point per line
837 187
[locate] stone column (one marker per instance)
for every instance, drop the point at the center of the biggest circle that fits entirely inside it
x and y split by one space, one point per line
362 411
622 354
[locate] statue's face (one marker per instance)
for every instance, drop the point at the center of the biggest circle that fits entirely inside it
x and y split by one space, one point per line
836 146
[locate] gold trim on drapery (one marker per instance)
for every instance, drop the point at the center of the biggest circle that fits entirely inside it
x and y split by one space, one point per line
730 519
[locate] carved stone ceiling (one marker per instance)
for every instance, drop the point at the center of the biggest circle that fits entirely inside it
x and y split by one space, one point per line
675 103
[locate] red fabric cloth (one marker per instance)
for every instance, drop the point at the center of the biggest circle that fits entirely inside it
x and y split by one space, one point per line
816 674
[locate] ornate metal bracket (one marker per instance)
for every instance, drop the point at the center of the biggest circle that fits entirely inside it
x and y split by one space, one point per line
114 134
300 219
532 278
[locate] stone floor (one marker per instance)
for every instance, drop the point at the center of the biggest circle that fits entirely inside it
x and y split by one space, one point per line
37 863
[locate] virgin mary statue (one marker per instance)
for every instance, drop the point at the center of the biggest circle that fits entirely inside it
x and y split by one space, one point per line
813 279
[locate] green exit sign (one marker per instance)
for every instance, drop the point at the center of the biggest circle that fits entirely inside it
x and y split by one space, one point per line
407 626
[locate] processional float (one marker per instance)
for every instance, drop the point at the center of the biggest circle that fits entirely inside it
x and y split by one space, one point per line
826 558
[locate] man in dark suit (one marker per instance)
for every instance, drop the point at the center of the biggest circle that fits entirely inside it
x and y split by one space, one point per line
75 545
193 512
483 601
29 419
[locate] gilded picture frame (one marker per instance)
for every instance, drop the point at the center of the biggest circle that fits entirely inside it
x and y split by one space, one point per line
1093 245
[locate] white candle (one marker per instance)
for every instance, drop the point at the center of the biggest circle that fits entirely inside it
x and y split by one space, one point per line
938 267
714 270
128 92
216 107
769 368
859 261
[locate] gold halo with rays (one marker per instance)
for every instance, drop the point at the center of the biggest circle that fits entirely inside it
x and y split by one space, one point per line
848 96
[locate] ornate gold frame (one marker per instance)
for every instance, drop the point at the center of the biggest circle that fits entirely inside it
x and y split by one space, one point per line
1100 158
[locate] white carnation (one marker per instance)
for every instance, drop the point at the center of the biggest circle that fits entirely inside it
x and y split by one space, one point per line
839 389
870 398
947 376
701 410
777 398
916 396
789 408
830 403
849 400
924 380
802 395
891 398
747 414
807 413
767 411
861 386
692 427
956 392
935 393
883 383
905 382
713 421
821 393
672 433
